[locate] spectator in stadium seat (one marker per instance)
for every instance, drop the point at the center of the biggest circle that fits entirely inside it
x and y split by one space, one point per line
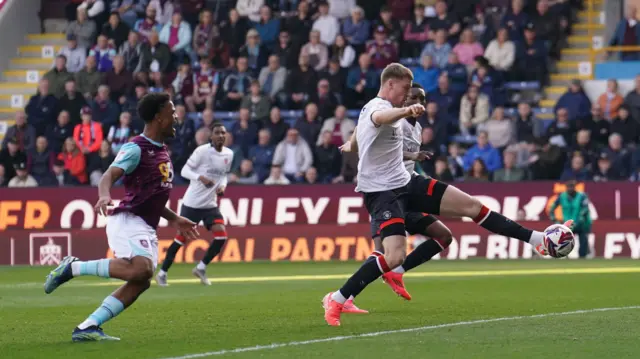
236 85
311 176
301 83
42 108
362 81
115 30
261 154
250 9
276 177
501 52
155 56
416 33
309 124
439 49
586 147
131 51
339 126
429 144
40 161
525 123
177 35
96 11
59 131
547 162
441 170
191 10
164 10
294 155
206 121
356 28
444 21
340 9
500 129
286 52
205 83
317 52
510 173
88 79
482 149
605 171
575 100
75 55
88 135
437 122
233 31
268 27
577 169
203 136
391 25
272 77
627 33
611 100
74 161
104 110
246 174
324 99
448 101
131 106
99 162
22 132
474 110
343 52
478 172
183 142
468 48
10 156
204 35
337 78
276 126
104 53
229 142
619 156
256 102
129 9
561 131
457 73
531 57
633 99
58 76
145 27
485 78
381 50
245 131
119 81
624 125
83 29
22 179
119 134
549 28
515 20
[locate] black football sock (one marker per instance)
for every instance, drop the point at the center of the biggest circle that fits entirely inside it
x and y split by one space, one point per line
171 254
219 239
370 270
499 224
421 254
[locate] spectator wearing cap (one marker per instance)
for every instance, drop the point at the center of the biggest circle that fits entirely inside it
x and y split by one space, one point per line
326 24
146 26
88 134
40 160
501 52
10 156
177 35
268 27
276 126
294 155
339 126
474 110
234 30
500 129
22 177
363 82
391 25
444 21
272 77
245 131
309 124
164 10
327 158
58 76
88 79
256 102
236 85
381 50
341 9
256 53
427 74
577 169
115 30
23 133
627 33
468 48
317 51
606 171
74 160
301 83
625 126
42 108
155 56
250 9
416 33
83 29
119 135
531 57
60 131
356 28
75 55
611 100
261 154
129 9
72 101
575 100
515 20
131 52
483 150
439 49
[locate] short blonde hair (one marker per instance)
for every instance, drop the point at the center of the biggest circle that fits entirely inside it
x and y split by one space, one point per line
396 71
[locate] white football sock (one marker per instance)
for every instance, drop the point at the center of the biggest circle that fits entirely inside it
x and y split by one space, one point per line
162 273
536 238
351 298
398 269
338 297
201 266
75 269
87 323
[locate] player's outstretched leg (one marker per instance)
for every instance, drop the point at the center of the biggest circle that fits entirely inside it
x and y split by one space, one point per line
219 239
161 277
372 269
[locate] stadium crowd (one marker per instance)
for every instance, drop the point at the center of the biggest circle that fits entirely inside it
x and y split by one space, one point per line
264 58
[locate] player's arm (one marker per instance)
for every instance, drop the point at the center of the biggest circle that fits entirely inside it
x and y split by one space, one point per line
185 226
189 169
352 144
416 156
390 115
126 162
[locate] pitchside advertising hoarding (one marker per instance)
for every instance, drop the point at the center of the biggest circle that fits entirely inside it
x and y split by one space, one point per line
301 223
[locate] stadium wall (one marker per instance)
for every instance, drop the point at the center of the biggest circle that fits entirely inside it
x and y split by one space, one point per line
39 226
17 19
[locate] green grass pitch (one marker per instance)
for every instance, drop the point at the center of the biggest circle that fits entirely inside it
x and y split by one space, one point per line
455 303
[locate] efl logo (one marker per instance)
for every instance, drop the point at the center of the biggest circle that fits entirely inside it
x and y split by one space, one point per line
49 248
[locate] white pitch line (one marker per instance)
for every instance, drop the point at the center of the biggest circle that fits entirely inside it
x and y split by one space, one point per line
409 330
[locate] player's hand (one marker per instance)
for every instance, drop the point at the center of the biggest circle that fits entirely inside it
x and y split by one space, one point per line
221 190
346 147
422 155
415 110
102 204
205 181
185 227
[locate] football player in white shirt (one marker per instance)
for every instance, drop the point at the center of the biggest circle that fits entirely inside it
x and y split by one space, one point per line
207 168
390 192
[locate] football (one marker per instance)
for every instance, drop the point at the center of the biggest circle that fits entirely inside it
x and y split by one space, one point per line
559 240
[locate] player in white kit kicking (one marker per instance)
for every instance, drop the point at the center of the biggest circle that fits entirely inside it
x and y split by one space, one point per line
390 191
207 168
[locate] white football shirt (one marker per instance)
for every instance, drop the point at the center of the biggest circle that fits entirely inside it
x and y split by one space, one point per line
411 141
380 167
208 162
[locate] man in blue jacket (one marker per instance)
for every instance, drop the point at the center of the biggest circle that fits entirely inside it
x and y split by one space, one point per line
482 149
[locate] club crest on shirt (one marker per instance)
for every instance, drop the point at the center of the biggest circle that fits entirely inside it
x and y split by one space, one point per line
386 214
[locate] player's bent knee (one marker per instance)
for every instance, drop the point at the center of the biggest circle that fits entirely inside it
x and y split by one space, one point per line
396 258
